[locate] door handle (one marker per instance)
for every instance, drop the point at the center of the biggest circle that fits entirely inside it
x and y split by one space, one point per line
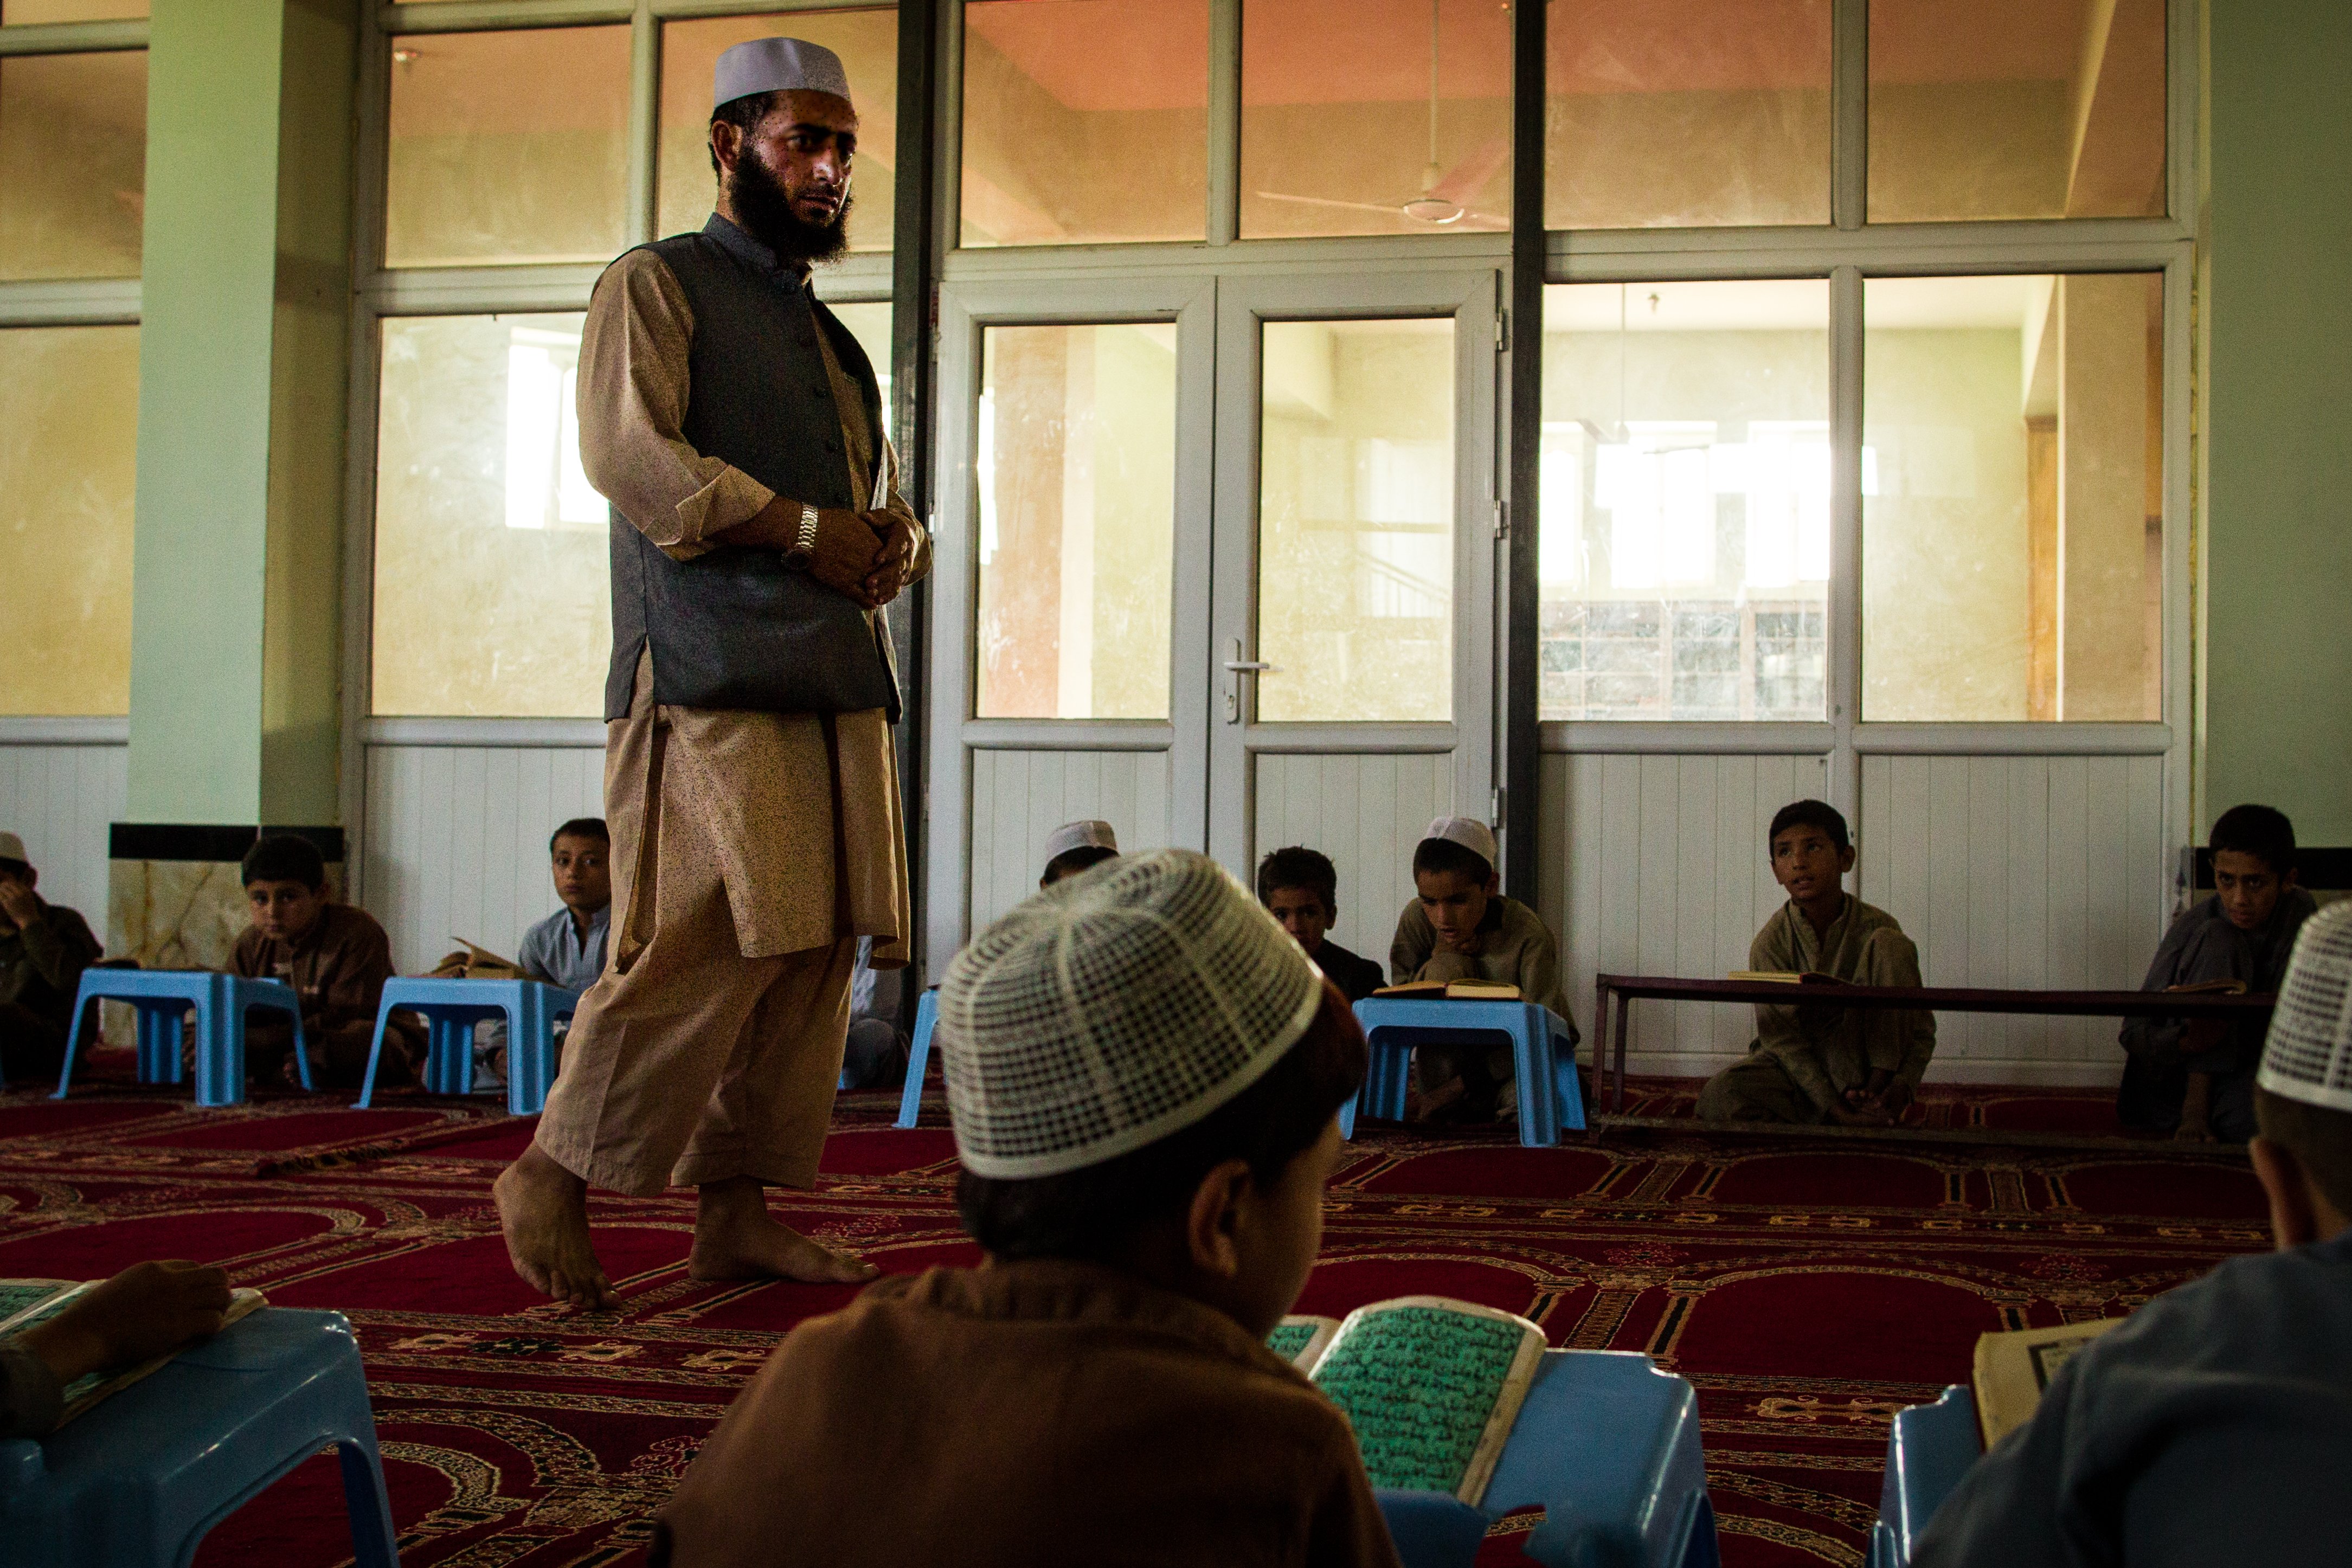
1236 668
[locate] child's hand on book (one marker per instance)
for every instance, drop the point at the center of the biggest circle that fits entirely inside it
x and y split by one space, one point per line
147 1311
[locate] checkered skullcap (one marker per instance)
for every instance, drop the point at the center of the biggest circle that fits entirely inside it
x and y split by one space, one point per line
2309 1054
1113 1009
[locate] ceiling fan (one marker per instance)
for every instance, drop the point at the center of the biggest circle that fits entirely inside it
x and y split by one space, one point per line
1444 191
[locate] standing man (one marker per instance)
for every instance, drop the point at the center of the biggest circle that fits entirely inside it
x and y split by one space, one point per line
750 777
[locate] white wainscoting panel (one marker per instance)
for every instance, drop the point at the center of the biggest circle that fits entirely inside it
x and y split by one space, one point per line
1366 812
2032 872
457 841
1656 865
61 800
1018 797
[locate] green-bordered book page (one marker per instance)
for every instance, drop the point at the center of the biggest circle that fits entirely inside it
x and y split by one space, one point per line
1300 1340
1432 1386
21 1300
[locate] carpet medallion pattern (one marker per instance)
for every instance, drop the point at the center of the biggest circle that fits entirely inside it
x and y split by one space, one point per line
1810 1286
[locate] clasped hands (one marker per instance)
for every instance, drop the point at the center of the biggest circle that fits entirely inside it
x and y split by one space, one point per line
866 557
1879 1105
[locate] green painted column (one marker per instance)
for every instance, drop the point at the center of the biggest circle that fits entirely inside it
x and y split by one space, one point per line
245 308
2278 464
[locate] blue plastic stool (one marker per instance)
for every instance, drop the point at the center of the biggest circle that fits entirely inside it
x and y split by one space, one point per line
1930 1448
452 1008
1609 1446
163 997
137 1482
918 1057
1549 1098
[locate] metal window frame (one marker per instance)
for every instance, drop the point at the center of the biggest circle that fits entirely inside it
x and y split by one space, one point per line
1849 251
69 302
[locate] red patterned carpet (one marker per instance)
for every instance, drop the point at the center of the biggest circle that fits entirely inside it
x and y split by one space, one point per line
1808 1285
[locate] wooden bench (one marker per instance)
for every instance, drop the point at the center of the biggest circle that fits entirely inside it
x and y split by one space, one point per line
1627 988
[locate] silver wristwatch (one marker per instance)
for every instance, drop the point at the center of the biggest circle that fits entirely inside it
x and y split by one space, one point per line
804 546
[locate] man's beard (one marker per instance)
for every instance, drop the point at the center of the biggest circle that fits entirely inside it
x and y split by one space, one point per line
767 216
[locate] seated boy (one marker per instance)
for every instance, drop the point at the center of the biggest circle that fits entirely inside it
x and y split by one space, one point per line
1461 927
1145 1074
1301 888
335 956
2214 1424
2196 1079
1076 846
44 948
567 948
1814 1062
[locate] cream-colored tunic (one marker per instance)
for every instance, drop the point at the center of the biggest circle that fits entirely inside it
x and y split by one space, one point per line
809 838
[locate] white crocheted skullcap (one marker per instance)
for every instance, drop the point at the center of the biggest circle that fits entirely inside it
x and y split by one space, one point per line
777 65
1091 834
1469 832
13 848
1113 1009
2309 1054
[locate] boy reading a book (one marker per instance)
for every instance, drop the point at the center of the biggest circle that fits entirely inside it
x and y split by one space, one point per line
1459 926
2196 1078
2214 1424
1816 1062
1144 1073
1300 888
334 955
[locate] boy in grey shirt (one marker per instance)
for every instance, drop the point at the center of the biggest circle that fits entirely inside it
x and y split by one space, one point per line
567 948
2215 1425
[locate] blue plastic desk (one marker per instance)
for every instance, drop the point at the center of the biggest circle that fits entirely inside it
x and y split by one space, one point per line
452 1008
163 997
918 1057
1543 1056
1609 1446
136 1482
1930 1448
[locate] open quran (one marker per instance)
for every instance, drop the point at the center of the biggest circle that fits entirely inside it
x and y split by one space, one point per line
1430 1386
2013 1368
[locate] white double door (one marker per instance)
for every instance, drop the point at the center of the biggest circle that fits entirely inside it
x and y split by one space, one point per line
1217 563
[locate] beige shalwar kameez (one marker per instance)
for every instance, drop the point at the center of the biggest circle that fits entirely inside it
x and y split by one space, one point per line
751 850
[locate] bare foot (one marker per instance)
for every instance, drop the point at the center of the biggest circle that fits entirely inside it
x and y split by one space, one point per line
2192 1132
735 1237
544 1210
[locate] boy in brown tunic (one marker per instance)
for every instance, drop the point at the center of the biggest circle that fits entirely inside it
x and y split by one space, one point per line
335 956
1144 1073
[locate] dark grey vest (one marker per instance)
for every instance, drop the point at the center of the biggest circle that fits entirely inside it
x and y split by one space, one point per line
735 627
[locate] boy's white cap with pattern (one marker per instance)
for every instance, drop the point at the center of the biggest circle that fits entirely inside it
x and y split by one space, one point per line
1469 832
2309 1054
11 847
1113 1009
1089 834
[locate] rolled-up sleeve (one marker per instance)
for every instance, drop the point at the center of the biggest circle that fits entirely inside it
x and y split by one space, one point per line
633 387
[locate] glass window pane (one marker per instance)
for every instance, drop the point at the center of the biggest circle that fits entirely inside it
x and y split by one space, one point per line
68 466
34 13
2012 555
491 586
1085 122
1076 480
1633 88
867 43
2015 109
1686 500
868 321
508 147
1391 119
1355 574
73 164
